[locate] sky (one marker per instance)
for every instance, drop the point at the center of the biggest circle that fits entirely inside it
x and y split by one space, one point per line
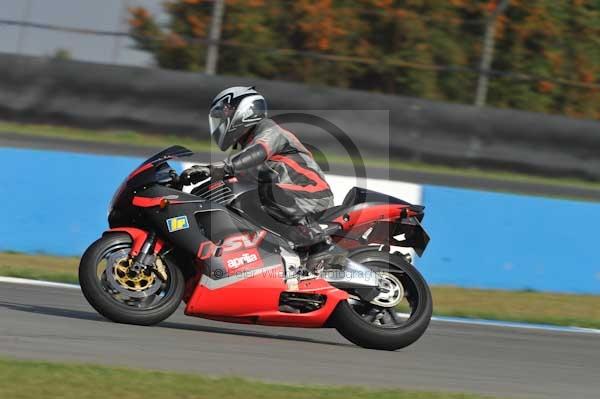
89 14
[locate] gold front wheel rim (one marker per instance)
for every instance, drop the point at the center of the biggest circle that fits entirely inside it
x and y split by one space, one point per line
134 282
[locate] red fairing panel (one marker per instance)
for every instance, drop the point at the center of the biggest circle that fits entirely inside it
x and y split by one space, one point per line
149 202
253 297
139 237
146 202
369 215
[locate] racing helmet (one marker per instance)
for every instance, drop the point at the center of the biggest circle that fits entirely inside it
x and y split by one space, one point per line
233 112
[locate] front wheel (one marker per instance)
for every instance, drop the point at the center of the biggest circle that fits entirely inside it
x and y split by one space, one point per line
119 294
398 316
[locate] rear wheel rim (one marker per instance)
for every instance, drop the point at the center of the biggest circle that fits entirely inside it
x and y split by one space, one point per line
110 269
395 314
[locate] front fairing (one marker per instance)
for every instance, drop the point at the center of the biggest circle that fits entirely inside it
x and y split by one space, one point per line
154 170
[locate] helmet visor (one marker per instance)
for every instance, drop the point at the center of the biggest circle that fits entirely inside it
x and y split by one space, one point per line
219 120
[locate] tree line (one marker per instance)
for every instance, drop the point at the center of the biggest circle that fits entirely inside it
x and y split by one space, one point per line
546 56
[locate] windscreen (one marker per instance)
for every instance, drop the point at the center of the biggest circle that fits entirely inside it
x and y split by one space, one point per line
175 151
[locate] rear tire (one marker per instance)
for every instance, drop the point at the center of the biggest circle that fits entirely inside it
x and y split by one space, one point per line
359 331
98 295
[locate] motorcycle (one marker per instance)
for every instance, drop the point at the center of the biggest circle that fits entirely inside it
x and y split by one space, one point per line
219 251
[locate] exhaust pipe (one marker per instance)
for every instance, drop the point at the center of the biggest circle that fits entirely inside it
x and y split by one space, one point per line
351 275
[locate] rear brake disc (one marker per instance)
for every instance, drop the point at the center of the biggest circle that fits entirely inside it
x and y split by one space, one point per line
391 291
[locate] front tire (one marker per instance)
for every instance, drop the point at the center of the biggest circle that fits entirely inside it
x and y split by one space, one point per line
357 321
146 302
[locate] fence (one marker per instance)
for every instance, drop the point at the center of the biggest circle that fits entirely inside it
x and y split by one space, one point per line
105 96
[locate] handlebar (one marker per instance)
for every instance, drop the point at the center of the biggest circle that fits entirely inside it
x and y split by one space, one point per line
193 175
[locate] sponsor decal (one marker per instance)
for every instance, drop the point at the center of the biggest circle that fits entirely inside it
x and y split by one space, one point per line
232 244
242 261
246 258
177 223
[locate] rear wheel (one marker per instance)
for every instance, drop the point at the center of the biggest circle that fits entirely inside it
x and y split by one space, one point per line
119 294
394 319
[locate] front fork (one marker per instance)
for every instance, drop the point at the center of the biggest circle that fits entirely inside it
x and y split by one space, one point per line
146 257
144 250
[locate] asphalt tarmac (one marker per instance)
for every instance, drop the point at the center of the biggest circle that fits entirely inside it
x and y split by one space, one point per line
58 324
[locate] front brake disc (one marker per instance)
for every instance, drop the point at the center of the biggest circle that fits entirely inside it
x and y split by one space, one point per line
119 279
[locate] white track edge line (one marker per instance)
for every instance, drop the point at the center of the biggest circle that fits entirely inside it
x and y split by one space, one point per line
442 319
40 283
516 325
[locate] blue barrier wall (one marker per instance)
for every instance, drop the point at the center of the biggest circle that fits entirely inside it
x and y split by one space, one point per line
56 203
493 240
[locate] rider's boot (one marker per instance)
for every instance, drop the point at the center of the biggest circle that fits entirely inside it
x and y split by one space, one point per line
318 246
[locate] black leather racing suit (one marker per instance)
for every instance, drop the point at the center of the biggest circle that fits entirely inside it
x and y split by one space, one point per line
290 180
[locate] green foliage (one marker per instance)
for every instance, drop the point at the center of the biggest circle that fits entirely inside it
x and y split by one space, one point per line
21 379
62 54
551 48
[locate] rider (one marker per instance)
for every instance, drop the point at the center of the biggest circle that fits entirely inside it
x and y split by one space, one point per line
292 185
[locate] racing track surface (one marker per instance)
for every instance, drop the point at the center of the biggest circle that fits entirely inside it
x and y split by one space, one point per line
57 324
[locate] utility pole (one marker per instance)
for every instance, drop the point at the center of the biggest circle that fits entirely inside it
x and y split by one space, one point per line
212 55
487 53
121 25
23 29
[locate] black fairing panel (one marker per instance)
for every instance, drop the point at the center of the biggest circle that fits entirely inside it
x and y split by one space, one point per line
358 195
415 235
203 219
249 205
218 223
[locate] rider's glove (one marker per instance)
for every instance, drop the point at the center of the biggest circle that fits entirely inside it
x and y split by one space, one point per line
219 170
194 175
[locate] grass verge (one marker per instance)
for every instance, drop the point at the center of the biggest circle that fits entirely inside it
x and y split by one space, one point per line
128 137
523 306
530 307
39 267
33 379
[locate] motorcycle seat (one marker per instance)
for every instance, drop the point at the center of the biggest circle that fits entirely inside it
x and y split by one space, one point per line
330 214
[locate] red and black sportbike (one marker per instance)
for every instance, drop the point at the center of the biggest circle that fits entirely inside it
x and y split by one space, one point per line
219 251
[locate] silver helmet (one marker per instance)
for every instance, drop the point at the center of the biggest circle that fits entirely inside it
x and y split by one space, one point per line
233 112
